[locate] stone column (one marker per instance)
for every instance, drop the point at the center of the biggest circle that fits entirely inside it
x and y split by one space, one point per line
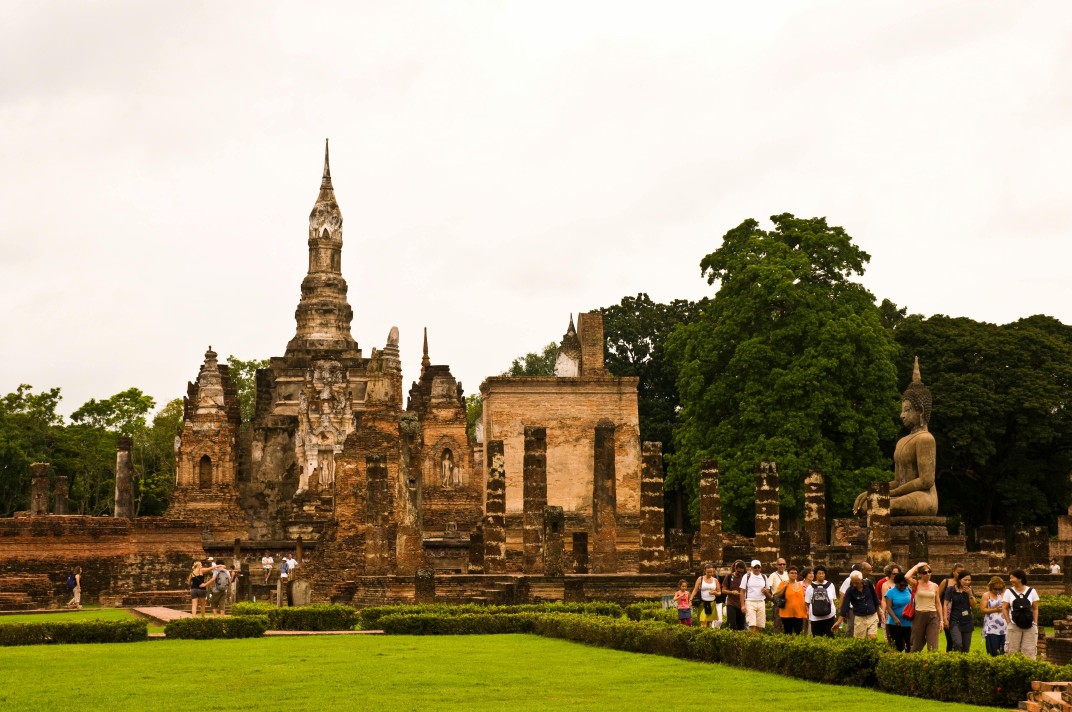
124 479
580 552
534 498
879 536
815 508
1033 547
378 505
39 489
476 550
991 539
679 554
554 524
424 586
495 511
710 515
61 491
768 512
652 528
604 504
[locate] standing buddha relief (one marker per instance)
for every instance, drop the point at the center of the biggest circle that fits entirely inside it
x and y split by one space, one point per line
325 418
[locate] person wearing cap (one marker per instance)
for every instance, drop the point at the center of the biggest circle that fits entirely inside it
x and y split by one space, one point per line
775 582
756 592
862 600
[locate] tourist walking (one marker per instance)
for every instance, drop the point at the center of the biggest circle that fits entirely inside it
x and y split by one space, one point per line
197 589
775 582
1020 608
994 626
807 577
708 588
946 583
928 617
74 585
959 601
218 583
683 601
731 586
756 594
862 601
881 586
898 627
819 599
795 611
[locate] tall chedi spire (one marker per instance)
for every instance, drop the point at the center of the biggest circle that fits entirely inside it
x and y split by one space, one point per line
323 314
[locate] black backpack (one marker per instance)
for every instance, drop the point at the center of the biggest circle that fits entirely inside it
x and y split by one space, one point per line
1021 610
820 600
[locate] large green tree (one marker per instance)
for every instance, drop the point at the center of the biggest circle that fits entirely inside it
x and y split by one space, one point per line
244 375
789 362
541 363
1002 414
635 331
28 422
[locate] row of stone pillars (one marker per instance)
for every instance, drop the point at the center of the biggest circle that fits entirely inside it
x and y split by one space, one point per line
41 478
543 526
768 514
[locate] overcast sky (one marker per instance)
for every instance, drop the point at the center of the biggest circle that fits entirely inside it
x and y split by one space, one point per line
501 165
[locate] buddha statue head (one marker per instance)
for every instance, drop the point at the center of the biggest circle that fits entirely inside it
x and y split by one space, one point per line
918 396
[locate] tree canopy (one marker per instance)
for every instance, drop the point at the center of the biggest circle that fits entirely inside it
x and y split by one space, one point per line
540 363
1002 414
635 331
789 362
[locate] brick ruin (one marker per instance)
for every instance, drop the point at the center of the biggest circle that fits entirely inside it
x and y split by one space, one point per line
558 500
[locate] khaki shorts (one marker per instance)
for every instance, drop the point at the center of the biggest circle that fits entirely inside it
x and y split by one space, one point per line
865 626
216 600
755 612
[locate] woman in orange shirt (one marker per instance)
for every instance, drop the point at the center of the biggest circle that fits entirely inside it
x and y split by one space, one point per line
794 613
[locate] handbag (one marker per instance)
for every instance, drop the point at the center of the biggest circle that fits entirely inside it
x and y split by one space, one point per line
909 611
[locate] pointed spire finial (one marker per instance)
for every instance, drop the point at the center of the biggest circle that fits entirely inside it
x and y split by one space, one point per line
915 372
325 182
425 362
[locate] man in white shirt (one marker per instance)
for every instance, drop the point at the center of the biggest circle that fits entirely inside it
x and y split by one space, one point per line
756 594
774 582
267 563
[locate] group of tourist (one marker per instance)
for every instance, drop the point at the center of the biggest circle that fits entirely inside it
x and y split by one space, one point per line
909 605
210 585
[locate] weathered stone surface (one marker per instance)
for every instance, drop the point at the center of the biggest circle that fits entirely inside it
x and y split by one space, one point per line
61 492
39 472
768 512
652 526
679 552
535 474
710 514
425 588
124 479
1033 547
495 507
604 520
580 552
554 525
879 537
815 508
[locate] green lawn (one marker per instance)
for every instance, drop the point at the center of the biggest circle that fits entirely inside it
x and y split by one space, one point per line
86 614
322 673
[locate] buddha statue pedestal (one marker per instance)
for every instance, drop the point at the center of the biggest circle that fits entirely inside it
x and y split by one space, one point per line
920 538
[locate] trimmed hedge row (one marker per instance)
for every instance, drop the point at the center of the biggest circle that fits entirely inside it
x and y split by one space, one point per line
844 661
314 617
73 632
206 628
370 616
1053 608
463 624
973 678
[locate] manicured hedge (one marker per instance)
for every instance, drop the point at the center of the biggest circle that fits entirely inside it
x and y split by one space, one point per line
973 678
1053 608
370 616
464 624
206 628
73 632
315 617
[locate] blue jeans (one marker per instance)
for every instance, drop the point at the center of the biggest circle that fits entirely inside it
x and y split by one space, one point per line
995 644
